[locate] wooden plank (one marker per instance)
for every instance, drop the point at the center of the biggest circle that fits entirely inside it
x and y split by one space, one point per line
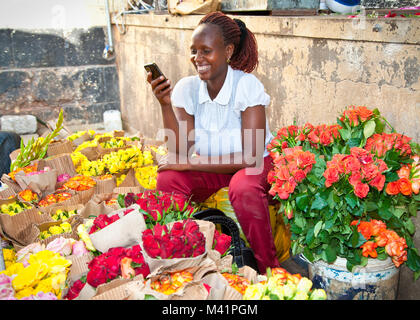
295 12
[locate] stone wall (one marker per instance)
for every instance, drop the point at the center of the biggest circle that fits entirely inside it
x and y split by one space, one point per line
43 70
312 67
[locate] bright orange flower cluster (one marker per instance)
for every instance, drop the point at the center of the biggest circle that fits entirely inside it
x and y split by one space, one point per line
171 283
362 169
54 198
290 168
355 115
377 234
28 195
379 144
409 179
236 282
79 183
26 169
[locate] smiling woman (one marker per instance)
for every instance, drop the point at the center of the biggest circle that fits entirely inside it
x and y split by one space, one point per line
217 129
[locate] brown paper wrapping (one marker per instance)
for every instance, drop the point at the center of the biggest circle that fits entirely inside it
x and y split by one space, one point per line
16 227
84 137
96 205
62 163
157 266
6 193
105 186
116 289
91 153
42 184
59 147
13 155
10 183
125 232
79 266
129 184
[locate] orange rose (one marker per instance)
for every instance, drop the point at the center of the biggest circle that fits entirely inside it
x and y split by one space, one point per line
377 227
364 113
393 188
404 172
405 186
415 186
365 228
369 249
361 190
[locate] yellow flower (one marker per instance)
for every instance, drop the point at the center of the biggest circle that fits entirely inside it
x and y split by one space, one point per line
13 269
254 292
304 285
318 294
29 276
58 282
44 285
55 230
25 292
301 295
66 227
82 232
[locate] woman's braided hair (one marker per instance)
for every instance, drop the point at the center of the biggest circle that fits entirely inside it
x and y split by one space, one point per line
245 54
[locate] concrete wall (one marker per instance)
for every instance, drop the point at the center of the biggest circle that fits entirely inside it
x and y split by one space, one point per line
312 67
51 58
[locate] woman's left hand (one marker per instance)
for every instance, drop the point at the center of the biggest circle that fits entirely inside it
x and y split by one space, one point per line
167 163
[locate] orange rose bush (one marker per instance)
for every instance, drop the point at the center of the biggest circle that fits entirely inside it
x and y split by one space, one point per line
348 190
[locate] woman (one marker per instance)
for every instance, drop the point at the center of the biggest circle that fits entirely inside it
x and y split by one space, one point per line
220 114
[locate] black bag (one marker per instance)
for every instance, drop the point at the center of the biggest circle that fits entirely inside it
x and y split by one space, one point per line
242 255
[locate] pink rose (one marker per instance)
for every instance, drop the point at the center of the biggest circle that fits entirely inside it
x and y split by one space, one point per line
60 245
79 248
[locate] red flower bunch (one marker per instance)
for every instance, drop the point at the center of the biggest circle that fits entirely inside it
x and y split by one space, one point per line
104 220
290 168
75 289
377 235
108 265
321 135
379 144
221 242
361 168
159 204
409 179
355 115
182 240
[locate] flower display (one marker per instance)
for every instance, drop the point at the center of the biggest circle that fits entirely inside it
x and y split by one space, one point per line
107 266
182 240
14 208
64 227
75 289
281 285
221 242
63 214
79 183
115 142
146 176
172 282
158 206
28 195
361 173
237 282
56 197
46 273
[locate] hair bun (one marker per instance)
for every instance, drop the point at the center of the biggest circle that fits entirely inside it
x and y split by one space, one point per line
242 27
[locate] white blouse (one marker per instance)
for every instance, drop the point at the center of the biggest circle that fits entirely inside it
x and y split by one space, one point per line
218 122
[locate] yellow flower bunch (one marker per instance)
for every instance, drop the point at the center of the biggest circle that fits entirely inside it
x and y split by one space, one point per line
9 256
147 176
147 158
78 158
115 142
120 179
13 208
64 227
78 134
284 286
82 232
46 272
63 214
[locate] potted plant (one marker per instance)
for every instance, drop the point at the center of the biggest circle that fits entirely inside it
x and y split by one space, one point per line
349 191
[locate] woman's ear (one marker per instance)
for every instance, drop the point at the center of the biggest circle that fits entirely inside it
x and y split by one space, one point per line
229 51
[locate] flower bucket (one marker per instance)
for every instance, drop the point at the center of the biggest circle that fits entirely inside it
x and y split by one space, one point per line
378 280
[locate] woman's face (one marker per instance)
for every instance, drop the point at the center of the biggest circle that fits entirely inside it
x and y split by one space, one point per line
208 52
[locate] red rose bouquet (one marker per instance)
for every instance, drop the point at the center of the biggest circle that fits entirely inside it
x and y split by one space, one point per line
103 220
159 207
221 242
182 240
334 183
75 289
112 264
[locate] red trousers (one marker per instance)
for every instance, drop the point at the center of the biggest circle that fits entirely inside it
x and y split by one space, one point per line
248 194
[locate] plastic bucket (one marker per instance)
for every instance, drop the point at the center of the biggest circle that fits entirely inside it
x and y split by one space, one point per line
378 280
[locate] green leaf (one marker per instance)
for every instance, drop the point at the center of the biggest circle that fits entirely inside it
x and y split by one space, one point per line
354 142
120 200
369 128
150 297
318 227
273 296
330 254
308 254
384 213
391 176
345 134
409 225
302 202
413 260
319 203
351 200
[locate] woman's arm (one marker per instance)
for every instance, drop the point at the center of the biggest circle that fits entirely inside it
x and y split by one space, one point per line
253 146
179 123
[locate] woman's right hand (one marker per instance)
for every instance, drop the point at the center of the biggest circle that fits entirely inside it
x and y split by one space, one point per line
161 89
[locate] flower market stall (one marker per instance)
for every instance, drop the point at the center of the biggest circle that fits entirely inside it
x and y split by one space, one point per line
81 219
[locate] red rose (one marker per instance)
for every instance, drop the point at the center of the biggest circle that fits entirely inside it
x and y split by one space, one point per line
361 190
96 276
378 182
190 226
177 229
331 176
221 242
151 245
166 247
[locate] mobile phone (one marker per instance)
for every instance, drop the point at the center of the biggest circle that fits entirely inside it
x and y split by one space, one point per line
154 69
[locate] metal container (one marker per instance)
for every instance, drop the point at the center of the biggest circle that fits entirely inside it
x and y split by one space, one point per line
378 280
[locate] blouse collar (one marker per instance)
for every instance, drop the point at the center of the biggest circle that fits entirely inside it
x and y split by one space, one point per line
224 94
